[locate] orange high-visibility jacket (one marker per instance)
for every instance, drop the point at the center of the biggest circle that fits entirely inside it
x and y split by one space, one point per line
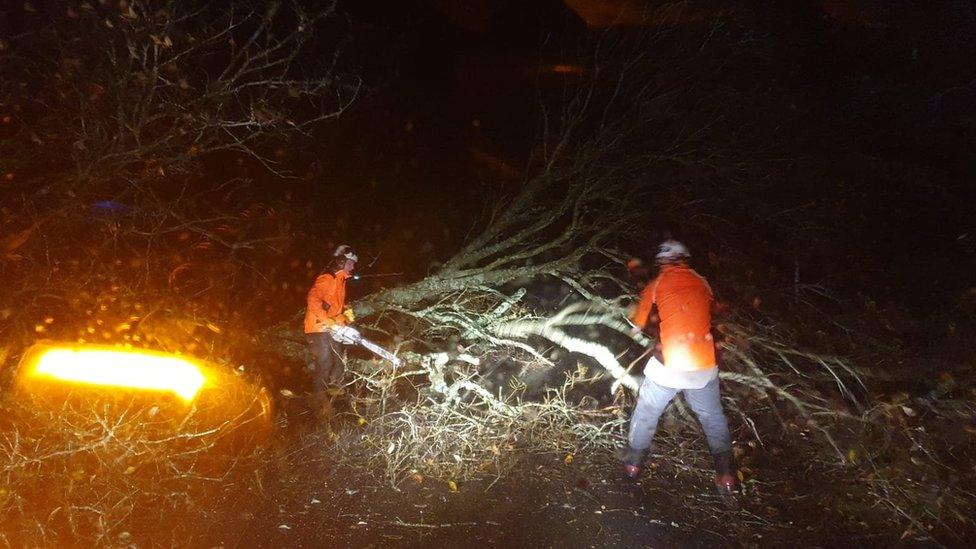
683 300
325 302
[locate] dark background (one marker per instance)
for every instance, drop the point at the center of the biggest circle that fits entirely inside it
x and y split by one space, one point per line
858 116
839 139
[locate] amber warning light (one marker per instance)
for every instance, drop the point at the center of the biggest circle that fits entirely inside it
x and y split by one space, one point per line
128 369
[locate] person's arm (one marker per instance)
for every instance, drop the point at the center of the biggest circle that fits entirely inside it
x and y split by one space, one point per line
713 305
334 309
318 299
643 310
315 301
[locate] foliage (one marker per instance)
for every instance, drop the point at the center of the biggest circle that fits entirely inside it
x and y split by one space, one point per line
135 138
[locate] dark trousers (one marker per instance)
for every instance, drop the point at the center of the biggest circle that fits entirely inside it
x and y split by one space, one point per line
326 356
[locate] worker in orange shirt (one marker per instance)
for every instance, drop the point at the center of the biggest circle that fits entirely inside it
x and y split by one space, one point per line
686 363
325 308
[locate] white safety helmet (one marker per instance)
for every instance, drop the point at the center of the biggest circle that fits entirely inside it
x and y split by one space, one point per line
345 250
671 251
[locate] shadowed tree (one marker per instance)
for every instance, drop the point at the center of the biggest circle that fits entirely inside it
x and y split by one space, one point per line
133 134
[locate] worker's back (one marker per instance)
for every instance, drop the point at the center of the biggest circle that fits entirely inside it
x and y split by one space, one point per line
684 301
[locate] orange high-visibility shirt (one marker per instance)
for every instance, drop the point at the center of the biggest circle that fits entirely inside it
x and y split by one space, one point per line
325 302
683 300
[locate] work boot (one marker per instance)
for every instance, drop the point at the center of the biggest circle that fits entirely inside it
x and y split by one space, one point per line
726 475
633 460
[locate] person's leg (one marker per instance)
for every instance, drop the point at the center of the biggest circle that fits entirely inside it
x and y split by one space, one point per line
707 405
652 400
338 366
320 345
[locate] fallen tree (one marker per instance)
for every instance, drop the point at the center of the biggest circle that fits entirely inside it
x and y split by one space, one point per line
138 269
561 234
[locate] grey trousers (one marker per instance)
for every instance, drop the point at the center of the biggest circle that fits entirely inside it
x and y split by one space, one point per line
705 402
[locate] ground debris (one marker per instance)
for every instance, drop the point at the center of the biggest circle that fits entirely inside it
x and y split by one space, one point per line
449 525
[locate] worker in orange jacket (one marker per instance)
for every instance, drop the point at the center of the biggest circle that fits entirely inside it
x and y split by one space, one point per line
325 308
685 363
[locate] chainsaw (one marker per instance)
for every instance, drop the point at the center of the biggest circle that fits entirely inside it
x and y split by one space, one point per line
348 335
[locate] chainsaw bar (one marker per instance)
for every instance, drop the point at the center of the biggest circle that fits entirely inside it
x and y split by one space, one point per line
351 336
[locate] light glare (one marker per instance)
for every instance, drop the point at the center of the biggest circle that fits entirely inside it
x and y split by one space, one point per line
680 359
119 368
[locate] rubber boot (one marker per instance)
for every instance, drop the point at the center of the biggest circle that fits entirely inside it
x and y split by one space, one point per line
726 474
633 460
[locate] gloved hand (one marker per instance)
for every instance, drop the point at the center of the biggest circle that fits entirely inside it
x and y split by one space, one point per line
325 323
350 316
